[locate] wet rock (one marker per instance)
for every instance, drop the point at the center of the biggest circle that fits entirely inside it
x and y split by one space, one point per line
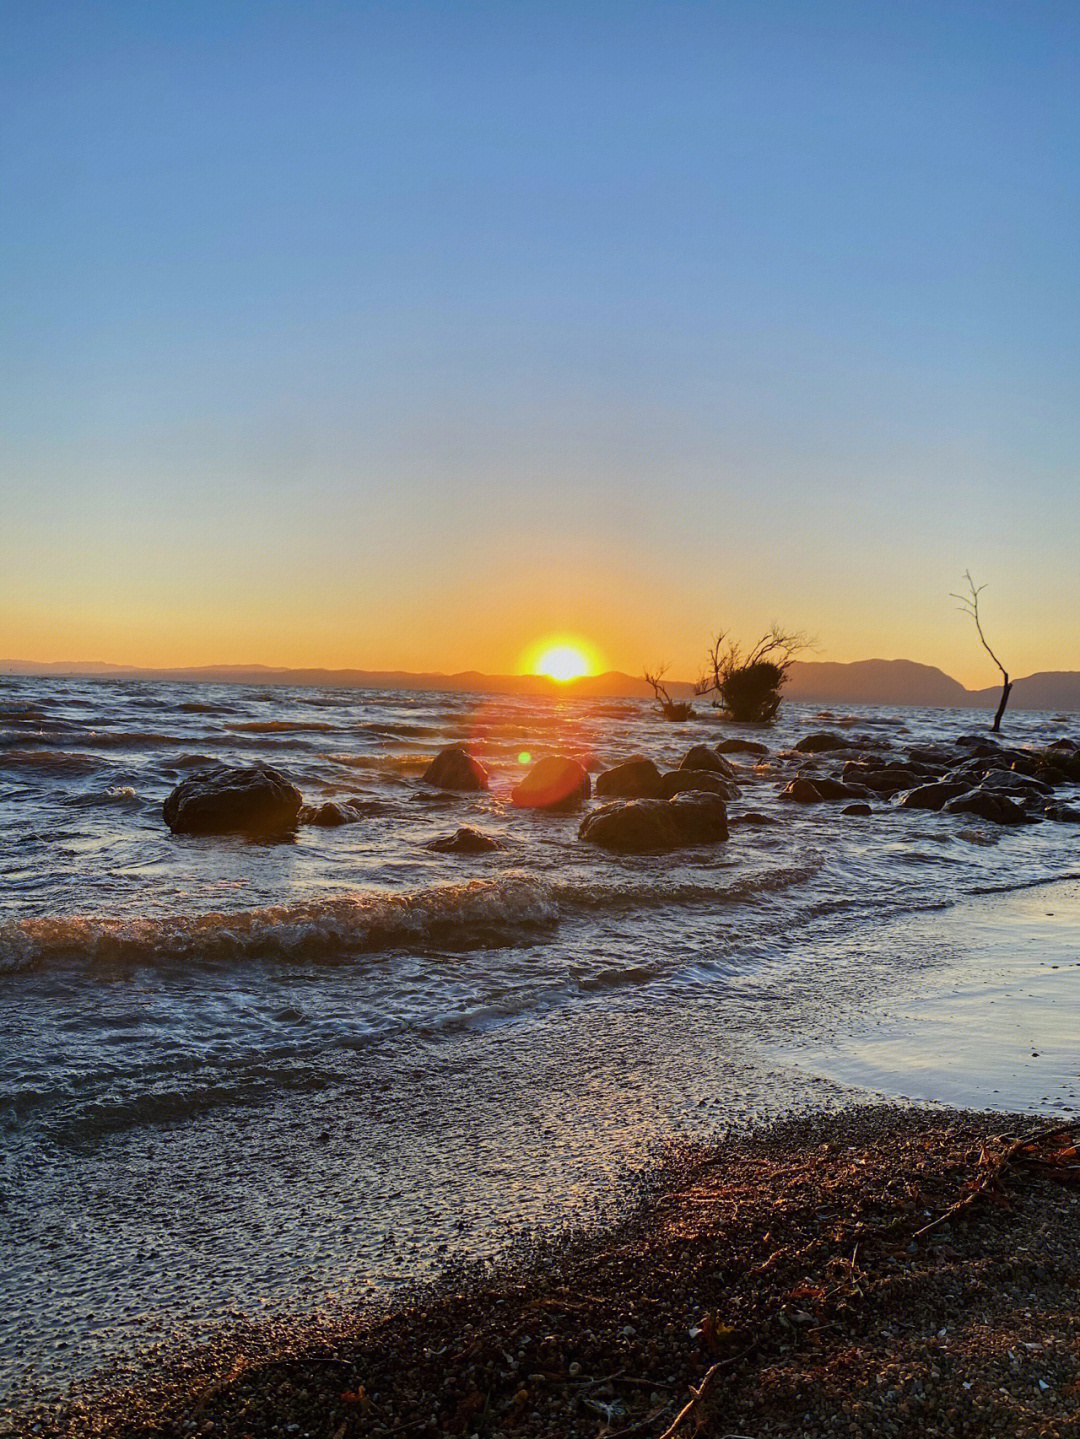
821 743
225 799
741 746
859 808
328 815
454 768
987 804
933 796
702 757
637 778
1010 782
557 783
1062 813
641 826
976 744
679 781
752 816
802 791
465 840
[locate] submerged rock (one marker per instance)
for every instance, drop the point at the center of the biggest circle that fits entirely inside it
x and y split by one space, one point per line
860 807
1062 813
328 815
638 826
637 778
465 840
988 804
741 746
455 768
821 742
233 799
701 781
556 783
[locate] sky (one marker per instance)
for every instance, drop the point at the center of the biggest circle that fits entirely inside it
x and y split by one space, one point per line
411 335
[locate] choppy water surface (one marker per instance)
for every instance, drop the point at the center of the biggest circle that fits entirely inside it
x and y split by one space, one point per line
237 1075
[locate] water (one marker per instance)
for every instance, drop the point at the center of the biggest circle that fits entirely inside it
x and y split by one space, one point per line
242 1076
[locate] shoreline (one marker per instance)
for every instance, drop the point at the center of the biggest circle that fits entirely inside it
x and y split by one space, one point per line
777 1275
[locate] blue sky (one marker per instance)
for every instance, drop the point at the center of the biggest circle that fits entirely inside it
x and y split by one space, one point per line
407 334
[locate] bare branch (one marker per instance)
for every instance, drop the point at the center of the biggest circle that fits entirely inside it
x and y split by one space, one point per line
969 605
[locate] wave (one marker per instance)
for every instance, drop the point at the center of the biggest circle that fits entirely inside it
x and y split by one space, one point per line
284 727
58 761
404 763
476 913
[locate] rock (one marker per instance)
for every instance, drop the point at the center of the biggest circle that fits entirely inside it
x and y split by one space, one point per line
454 768
224 799
933 796
702 757
802 792
639 826
679 781
465 840
883 781
328 815
741 746
1062 813
987 804
752 816
857 809
556 783
829 788
1009 781
976 744
637 778
820 743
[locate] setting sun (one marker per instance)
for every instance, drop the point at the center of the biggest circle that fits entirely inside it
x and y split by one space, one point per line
562 662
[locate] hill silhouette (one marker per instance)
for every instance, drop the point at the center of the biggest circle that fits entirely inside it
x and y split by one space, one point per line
870 682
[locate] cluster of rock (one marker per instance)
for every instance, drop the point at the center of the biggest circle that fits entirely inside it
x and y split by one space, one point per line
648 810
973 775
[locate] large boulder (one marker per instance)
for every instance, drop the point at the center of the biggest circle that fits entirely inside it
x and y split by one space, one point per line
702 757
641 826
637 778
987 804
233 799
465 840
556 783
679 781
455 768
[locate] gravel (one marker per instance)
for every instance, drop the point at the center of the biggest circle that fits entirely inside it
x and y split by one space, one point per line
807 1280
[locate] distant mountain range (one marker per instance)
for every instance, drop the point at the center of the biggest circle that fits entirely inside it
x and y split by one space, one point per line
873 682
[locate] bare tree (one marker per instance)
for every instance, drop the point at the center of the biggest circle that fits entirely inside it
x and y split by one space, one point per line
969 605
748 683
669 708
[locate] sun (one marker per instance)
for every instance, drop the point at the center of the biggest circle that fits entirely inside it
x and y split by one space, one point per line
562 662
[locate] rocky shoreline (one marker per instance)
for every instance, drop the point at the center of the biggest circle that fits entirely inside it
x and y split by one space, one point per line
884 1271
